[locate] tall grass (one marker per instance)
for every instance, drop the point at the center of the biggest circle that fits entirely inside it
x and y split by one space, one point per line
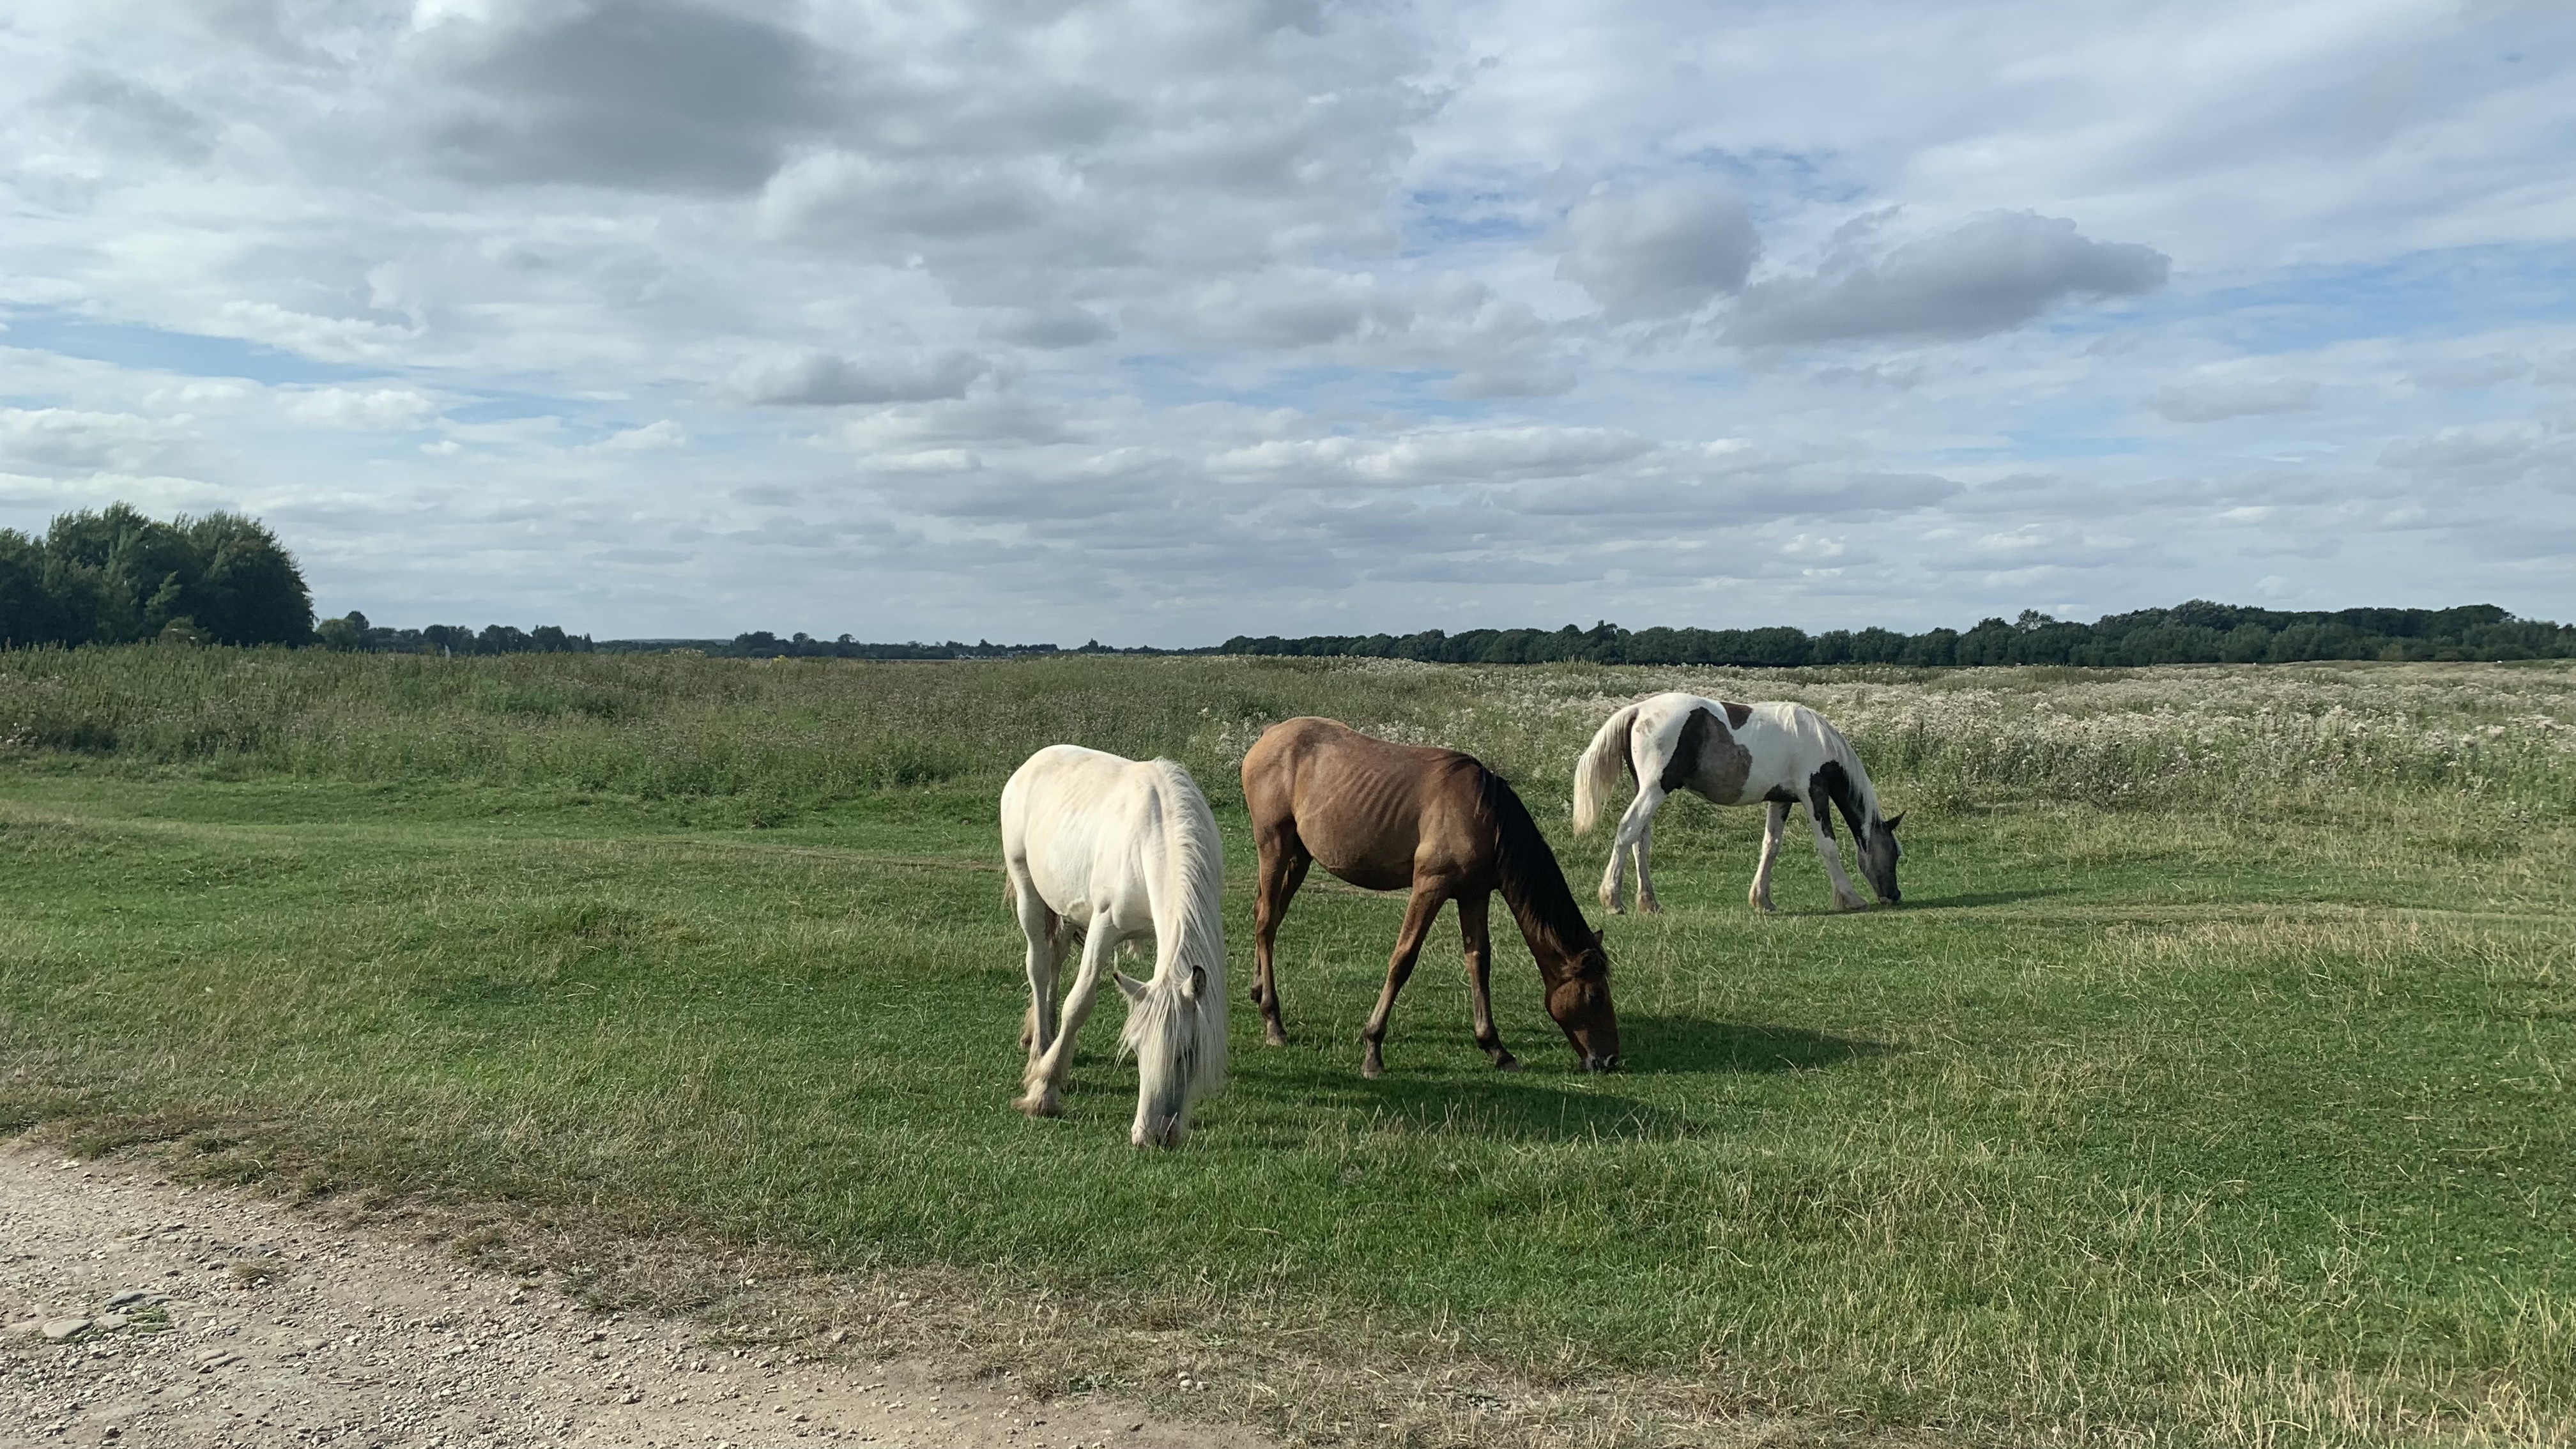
775 738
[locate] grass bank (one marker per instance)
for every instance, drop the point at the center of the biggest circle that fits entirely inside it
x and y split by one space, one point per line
2212 1087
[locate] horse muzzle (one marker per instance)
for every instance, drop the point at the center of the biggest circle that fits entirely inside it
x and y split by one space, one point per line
1149 1135
1608 1062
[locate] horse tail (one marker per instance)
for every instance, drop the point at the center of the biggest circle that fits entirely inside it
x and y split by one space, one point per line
1599 766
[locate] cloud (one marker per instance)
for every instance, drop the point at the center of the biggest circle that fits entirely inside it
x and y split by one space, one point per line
65 441
817 378
2217 399
377 409
654 437
334 339
1467 456
1992 273
1050 327
2479 453
652 94
1658 253
124 114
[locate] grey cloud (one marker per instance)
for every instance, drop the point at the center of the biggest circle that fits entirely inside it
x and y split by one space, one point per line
829 379
2215 400
840 195
125 115
654 94
2465 454
2467 372
1658 253
1050 327
1992 273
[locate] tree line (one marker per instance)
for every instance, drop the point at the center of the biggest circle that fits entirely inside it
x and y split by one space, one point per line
117 577
2198 632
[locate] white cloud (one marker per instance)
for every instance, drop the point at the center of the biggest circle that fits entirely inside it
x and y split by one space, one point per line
653 437
384 409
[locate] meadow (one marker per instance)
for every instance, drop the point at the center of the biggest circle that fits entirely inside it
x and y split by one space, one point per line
2212 1086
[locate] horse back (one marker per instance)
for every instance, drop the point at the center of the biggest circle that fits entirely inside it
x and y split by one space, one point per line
1077 821
1371 811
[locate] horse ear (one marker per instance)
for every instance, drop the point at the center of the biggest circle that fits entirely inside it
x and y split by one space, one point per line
1197 986
1896 820
1128 986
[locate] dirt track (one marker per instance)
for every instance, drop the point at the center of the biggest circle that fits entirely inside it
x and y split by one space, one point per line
245 1324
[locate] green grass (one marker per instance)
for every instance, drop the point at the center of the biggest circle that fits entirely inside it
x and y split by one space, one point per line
2215 1102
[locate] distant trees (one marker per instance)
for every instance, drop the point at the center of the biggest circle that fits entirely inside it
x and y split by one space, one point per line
117 577
353 632
2198 632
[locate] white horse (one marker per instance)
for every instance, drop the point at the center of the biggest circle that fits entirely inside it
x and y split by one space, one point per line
1735 754
1121 851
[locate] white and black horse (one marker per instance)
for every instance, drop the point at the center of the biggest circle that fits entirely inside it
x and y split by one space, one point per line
1735 754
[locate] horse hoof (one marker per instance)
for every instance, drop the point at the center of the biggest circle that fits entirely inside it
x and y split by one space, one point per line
1046 1106
1274 1036
1652 908
1507 1063
1372 1069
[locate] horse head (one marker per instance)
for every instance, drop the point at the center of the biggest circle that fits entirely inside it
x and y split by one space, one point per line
1878 853
1166 1027
1578 996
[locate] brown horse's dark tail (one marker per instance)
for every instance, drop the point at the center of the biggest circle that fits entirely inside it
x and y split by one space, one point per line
1532 883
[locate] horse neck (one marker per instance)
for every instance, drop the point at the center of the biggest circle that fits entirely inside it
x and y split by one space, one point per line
1533 886
1864 794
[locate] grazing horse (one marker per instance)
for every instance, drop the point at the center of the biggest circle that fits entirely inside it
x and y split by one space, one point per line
1384 817
1735 754
1119 850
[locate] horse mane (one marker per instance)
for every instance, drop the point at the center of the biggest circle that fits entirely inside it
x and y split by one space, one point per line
1532 883
1863 792
1189 928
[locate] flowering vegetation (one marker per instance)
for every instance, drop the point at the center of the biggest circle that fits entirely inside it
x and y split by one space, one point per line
778 738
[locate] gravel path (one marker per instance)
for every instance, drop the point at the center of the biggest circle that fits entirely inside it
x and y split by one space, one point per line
136 1312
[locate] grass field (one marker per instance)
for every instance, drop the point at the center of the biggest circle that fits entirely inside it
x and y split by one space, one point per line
2212 1085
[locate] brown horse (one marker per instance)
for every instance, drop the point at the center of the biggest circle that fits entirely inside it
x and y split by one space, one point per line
1385 817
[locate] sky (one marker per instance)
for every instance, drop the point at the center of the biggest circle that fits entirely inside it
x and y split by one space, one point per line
1158 321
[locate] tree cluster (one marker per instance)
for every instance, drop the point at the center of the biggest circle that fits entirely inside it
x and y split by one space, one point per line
118 577
2198 632
353 632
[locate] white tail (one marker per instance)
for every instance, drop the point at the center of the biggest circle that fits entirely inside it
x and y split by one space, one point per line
1599 767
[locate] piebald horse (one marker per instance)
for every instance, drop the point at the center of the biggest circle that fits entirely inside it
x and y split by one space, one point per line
1735 754
1119 851
1384 817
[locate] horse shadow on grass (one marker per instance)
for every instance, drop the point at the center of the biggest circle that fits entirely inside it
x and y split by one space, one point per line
1540 1105
1669 1045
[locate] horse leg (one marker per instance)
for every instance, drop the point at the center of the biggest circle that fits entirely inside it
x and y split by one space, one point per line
1820 815
1632 825
1042 1092
1045 932
1283 869
1774 829
1408 946
1480 962
1646 901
